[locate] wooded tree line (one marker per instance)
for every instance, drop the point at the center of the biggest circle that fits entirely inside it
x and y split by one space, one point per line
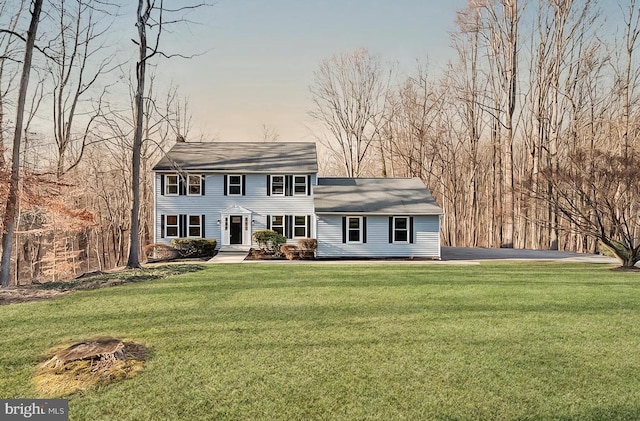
533 123
529 139
91 129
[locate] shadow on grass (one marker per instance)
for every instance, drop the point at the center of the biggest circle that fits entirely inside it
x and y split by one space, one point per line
122 277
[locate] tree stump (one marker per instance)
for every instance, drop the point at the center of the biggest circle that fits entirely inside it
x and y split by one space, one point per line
105 350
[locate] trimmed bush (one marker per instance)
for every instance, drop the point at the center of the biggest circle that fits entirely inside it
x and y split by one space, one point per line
194 247
269 241
290 251
308 247
159 252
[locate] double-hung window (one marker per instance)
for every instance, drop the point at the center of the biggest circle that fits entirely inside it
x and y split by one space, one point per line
171 226
354 229
194 227
194 187
400 229
277 223
300 185
235 185
299 226
171 184
277 185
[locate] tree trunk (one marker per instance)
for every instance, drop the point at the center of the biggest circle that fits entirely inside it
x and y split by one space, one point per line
12 197
134 243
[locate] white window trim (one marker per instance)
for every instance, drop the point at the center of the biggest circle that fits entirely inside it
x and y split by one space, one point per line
166 226
407 229
229 185
304 225
189 226
200 177
166 184
360 219
306 186
284 185
284 223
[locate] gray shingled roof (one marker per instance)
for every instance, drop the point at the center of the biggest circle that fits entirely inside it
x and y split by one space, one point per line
389 196
255 157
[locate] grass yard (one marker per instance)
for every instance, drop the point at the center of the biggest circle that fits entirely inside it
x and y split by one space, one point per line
499 341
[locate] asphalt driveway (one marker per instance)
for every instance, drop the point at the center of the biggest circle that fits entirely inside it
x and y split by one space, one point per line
479 254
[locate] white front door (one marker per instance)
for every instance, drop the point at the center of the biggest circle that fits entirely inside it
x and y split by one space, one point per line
235 226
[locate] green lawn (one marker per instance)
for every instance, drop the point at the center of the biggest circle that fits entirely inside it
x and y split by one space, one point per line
499 341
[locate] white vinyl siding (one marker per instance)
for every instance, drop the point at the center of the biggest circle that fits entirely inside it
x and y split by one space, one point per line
213 202
426 231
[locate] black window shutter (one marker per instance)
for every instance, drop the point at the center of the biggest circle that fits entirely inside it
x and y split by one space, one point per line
411 229
391 229
268 222
309 185
162 224
162 184
182 226
268 185
202 227
287 185
289 226
182 188
308 225
244 184
344 229
364 229
202 186
225 184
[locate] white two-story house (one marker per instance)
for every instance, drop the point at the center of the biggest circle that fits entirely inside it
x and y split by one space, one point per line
228 190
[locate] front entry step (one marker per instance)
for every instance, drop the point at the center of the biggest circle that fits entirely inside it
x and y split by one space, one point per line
229 257
234 248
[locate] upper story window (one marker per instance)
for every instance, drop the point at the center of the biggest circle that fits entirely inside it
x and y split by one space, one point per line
182 184
300 185
277 185
194 187
171 184
235 185
288 185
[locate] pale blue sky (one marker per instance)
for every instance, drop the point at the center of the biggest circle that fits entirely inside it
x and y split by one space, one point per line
261 56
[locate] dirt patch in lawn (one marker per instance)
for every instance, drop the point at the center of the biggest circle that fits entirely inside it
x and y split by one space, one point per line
48 290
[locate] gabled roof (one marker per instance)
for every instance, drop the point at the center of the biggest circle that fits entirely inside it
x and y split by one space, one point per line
388 196
254 157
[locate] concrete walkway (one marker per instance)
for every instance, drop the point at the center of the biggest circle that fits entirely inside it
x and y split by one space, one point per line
229 257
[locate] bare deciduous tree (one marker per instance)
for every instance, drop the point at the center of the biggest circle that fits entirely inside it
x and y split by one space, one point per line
8 225
349 95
